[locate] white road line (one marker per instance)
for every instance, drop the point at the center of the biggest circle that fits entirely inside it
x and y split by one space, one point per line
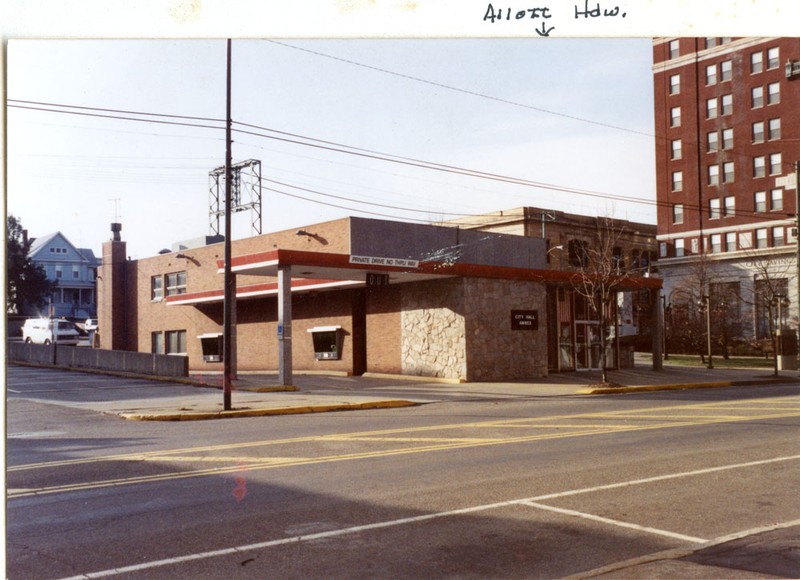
677 553
404 521
617 523
665 477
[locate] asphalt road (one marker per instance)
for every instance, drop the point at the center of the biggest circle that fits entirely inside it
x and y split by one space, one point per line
551 487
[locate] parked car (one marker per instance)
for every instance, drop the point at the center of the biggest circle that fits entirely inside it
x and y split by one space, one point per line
49 330
90 327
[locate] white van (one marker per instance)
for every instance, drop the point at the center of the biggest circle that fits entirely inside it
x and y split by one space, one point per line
48 331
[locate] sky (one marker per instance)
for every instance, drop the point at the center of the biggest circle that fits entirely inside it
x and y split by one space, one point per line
576 114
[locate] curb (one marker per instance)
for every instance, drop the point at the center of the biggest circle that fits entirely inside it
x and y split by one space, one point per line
204 416
683 386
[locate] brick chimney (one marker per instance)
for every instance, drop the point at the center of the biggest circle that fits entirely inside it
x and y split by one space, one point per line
111 293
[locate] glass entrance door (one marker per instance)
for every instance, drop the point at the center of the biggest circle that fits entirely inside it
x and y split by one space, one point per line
587 346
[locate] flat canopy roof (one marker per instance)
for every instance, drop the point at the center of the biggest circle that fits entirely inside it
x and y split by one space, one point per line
329 271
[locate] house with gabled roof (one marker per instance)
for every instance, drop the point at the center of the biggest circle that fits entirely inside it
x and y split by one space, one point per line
74 270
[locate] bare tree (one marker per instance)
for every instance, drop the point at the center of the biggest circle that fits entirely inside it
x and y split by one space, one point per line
769 295
599 275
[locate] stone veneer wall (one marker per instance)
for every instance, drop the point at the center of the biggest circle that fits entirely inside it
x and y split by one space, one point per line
433 330
495 352
461 329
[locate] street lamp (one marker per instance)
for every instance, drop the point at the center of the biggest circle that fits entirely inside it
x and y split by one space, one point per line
705 304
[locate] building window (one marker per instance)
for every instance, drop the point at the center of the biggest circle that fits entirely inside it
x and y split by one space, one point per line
773 93
679 249
730 242
674 48
635 264
760 201
175 342
662 248
618 259
726 296
713 175
714 209
757 97
758 132
777 236
674 84
761 238
677 213
765 291
713 142
76 273
727 104
716 243
677 181
756 62
711 108
156 288
774 129
730 206
776 199
775 164
726 70
759 167
676 149
578 253
59 272
648 260
727 172
727 138
176 283
675 117
157 343
711 42
711 74
773 58
695 245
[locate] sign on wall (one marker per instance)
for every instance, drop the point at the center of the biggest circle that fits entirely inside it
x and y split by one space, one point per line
379 261
377 280
524 320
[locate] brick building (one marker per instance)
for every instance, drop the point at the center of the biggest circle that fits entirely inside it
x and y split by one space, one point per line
366 296
567 237
727 139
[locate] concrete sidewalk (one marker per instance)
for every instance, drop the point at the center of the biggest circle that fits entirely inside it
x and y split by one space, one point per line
259 394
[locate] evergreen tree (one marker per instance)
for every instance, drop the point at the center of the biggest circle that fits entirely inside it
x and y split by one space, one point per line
27 282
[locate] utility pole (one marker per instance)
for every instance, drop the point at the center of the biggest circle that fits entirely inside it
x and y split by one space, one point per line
797 241
227 323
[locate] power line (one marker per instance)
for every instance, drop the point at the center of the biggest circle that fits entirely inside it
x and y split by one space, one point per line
366 153
335 147
38 103
460 90
407 209
115 117
284 193
298 139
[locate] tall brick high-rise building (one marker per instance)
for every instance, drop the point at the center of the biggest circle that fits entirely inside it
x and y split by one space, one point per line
727 126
